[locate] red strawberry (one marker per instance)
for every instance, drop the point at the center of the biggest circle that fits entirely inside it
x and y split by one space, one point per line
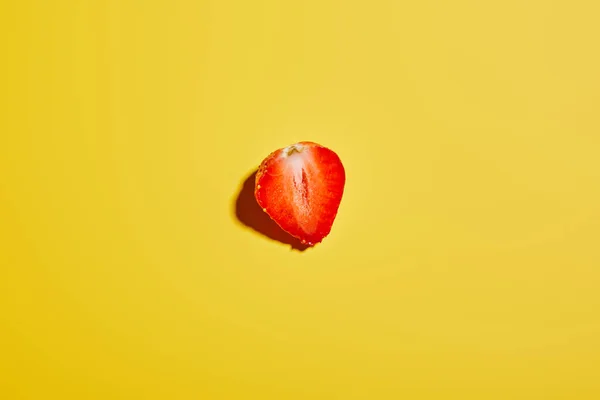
300 187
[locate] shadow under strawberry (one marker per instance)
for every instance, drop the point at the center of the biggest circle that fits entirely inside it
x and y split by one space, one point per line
249 213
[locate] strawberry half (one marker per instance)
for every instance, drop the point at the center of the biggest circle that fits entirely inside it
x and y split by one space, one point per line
300 187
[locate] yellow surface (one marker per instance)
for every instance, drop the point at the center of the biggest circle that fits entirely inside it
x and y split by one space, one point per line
465 259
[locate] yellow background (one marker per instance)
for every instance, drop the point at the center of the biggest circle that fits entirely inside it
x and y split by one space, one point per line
464 262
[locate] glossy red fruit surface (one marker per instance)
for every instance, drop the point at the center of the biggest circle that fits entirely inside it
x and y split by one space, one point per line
300 187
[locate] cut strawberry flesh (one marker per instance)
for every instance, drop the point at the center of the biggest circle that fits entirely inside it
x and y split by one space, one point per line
300 187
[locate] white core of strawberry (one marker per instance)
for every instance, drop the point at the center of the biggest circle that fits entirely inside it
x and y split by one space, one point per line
295 160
